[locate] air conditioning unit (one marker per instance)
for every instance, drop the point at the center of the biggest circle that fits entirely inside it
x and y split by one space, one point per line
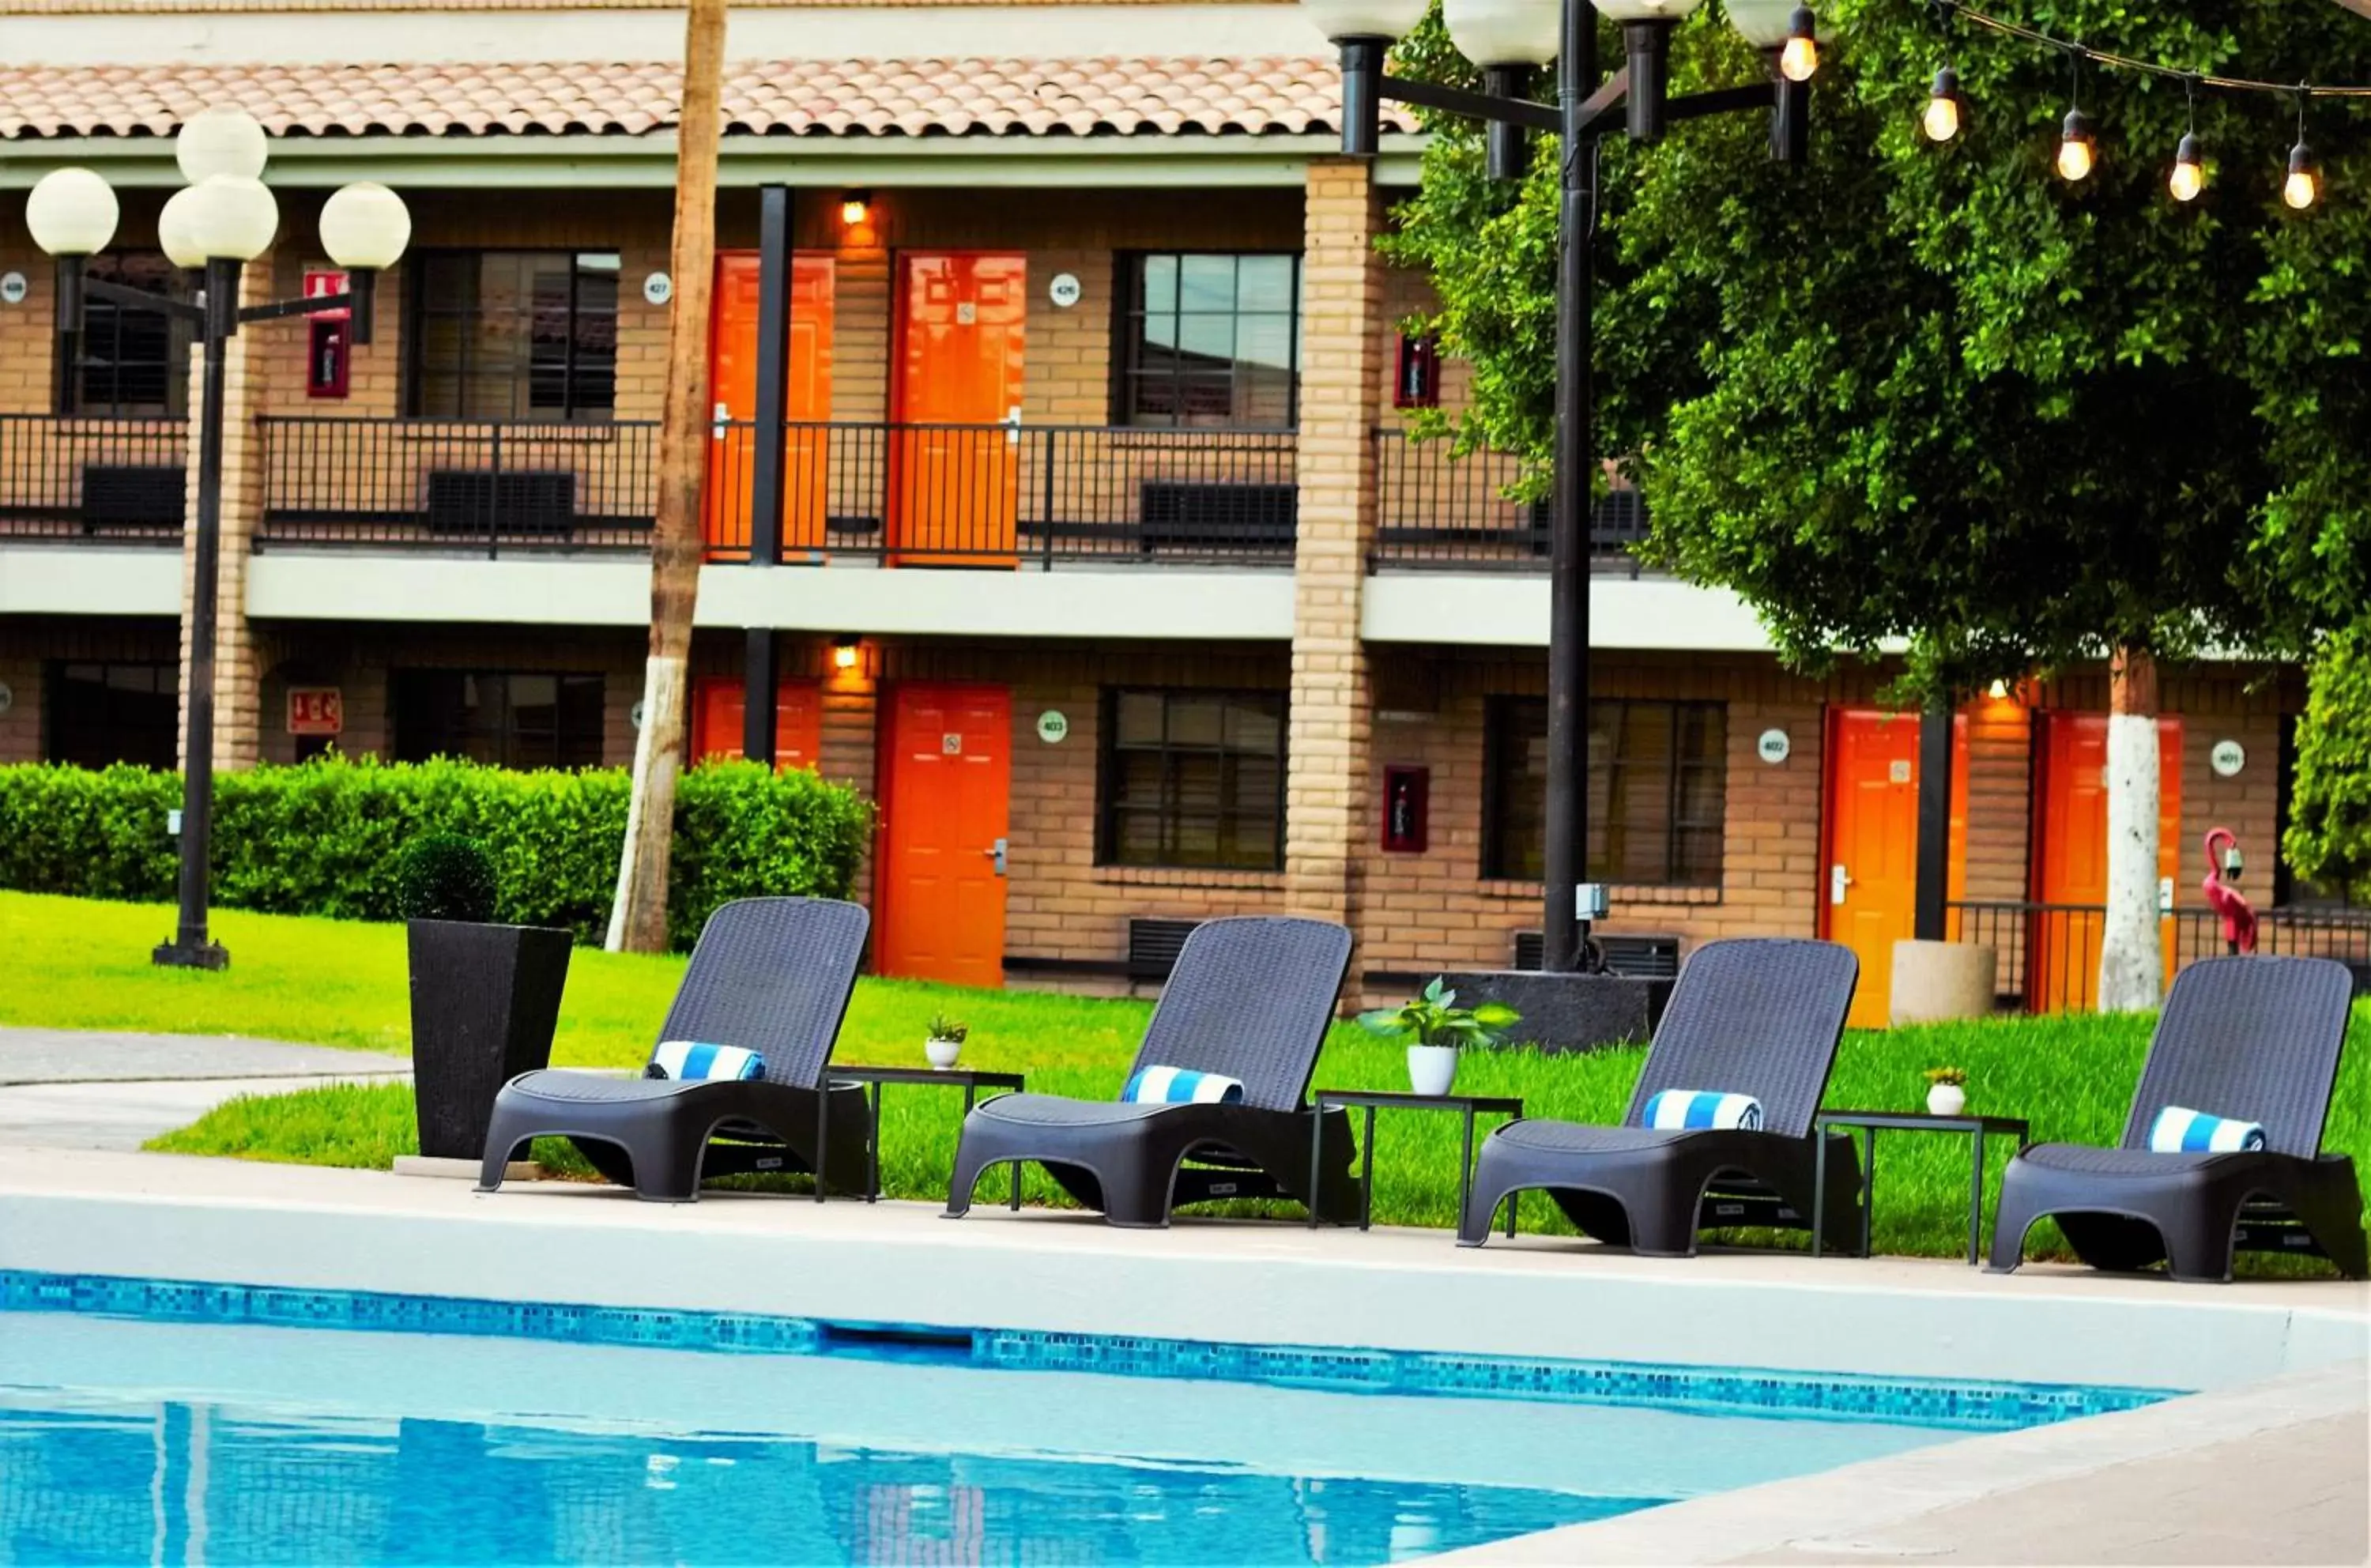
1153 947
475 501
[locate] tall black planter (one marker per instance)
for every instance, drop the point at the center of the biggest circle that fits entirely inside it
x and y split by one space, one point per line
485 1000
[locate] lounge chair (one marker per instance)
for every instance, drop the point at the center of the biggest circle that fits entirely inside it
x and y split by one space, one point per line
2255 1039
1759 1017
1249 999
769 974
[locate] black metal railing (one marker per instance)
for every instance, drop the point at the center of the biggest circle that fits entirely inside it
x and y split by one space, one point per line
982 495
2048 954
71 476
1435 510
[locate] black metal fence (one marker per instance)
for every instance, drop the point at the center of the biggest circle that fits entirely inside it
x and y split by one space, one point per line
73 477
2049 953
1434 510
983 495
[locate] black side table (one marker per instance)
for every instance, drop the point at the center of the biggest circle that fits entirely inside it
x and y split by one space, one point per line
970 1082
1869 1121
1470 1104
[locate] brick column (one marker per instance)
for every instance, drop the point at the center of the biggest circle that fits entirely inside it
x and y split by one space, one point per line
239 658
1327 809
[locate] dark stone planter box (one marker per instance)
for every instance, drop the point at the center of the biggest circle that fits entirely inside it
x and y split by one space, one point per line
1570 1012
485 1001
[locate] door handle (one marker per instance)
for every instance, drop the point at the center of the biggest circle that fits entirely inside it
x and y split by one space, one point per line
997 852
724 418
1013 426
1838 880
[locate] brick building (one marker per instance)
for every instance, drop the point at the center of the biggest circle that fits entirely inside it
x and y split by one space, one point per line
1105 567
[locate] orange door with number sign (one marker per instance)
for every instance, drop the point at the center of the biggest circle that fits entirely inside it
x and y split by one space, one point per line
718 708
733 369
1869 900
956 453
2070 856
945 786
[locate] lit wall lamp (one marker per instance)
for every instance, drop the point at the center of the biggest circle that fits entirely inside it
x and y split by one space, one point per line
856 208
843 652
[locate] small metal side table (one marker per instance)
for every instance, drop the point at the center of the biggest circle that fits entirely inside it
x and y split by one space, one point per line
1470 1105
970 1082
1870 1122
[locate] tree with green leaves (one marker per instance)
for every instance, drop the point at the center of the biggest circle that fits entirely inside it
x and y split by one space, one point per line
1938 394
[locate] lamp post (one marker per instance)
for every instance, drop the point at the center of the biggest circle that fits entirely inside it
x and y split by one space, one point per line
214 226
1506 39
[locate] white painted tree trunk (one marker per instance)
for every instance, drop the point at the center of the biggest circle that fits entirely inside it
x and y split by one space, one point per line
658 744
2132 954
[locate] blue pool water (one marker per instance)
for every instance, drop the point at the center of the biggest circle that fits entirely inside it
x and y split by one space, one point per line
130 1440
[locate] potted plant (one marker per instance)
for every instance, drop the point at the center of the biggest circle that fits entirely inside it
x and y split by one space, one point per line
945 1041
1435 1026
485 998
1947 1093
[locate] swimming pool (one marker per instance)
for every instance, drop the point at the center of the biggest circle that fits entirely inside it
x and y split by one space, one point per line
201 1440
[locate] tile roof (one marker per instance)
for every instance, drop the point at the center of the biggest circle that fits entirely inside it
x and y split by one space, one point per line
792 98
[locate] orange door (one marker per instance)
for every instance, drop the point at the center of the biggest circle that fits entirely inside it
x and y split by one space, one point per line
946 774
2070 839
1869 900
732 467
957 453
718 708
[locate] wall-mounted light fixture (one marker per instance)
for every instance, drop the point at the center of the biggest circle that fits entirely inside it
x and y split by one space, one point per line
843 652
856 208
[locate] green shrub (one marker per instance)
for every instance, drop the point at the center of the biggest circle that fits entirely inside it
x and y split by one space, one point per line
444 876
327 837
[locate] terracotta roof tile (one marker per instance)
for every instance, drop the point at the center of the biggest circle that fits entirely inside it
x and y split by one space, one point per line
794 97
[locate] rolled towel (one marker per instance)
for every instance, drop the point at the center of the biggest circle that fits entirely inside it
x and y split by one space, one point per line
692 1060
1692 1108
1182 1086
2177 1131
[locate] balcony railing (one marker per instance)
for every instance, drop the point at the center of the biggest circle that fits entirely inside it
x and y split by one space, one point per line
67 476
2049 953
977 495
1434 510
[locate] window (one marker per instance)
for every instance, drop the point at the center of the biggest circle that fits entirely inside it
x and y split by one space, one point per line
127 362
1656 779
514 335
1193 778
100 714
1210 340
510 719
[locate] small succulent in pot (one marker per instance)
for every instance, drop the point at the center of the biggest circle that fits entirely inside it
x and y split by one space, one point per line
1435 1026
1946 1094
944 1041
445 876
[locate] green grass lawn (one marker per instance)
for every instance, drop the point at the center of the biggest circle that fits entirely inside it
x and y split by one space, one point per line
83 965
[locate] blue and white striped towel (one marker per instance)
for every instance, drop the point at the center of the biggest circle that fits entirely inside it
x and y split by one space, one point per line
1692 1108
1181 1086
690 1059
2177 1131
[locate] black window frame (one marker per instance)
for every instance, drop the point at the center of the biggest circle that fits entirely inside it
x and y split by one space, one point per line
1110 806
404 715
1504 728
418 313
1128 312
80 368
163 750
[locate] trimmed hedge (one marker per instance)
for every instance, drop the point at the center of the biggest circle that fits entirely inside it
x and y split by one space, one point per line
325 837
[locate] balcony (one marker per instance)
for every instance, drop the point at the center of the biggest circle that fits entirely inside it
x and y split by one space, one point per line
97 479
855 493
1451 514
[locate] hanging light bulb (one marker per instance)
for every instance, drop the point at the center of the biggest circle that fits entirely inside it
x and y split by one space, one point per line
1798 57
1941 120
2189 177
2303 186
2078 150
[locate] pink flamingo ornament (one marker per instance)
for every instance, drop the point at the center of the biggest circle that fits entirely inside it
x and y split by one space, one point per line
2238 915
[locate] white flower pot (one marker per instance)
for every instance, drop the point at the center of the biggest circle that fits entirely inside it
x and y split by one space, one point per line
1431 1068
1946 1100
943 1053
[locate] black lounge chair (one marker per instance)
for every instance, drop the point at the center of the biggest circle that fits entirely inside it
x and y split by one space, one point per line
1250 1000
771 974
1748 1016
2256 1039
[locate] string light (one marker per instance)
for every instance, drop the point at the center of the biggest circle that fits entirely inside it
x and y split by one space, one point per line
2189 177
1942 121
2303 186
1798 57
2078 150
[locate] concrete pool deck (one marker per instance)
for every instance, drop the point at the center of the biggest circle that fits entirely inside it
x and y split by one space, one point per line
76 1088
73 1212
